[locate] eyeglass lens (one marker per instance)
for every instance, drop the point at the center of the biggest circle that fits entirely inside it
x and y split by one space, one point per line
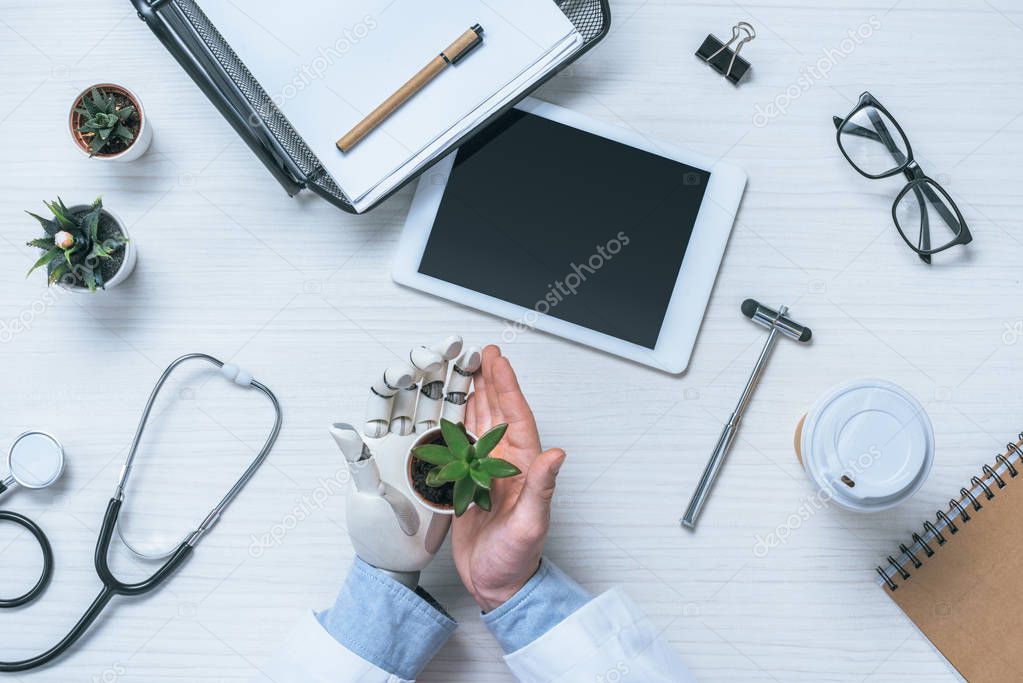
873 142
925 216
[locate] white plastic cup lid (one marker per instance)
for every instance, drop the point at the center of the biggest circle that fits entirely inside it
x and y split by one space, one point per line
36 460
869 444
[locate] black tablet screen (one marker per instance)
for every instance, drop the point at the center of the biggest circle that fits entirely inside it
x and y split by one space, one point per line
566 223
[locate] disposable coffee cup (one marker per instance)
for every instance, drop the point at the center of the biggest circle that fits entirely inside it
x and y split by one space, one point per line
867 445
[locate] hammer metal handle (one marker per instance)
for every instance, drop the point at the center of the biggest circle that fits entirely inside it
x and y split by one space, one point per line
717 458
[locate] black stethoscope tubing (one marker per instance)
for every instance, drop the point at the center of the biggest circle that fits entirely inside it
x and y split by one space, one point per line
47 550
111 584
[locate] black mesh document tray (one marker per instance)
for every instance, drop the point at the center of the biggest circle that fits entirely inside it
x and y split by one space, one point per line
207 58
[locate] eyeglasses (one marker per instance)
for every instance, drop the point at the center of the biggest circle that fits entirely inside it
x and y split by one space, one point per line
876 146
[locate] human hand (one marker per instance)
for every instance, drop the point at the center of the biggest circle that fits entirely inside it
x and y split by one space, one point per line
497 552
390 529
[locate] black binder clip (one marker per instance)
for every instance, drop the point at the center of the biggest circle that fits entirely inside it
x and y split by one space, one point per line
724 59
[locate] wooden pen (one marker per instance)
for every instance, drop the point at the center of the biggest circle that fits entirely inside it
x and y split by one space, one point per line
454 52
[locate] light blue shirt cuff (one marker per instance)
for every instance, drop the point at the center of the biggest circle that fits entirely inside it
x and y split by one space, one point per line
545 601
385 623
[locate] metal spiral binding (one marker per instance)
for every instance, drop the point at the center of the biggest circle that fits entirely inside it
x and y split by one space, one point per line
884 575
1008 465
898 567
948 522
906 552
956 506
933 531
991 474
963 514
968 493
918 540
1014 448
987 490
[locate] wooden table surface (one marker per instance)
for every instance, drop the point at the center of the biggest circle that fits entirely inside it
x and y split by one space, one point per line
300 293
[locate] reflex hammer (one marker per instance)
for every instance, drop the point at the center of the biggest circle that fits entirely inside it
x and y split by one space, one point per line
775 321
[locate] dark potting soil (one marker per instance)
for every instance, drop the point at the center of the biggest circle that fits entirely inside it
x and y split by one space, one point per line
108 268
108 229
116 145
438 495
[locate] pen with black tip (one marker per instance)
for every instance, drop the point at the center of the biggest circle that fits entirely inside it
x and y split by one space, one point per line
452 54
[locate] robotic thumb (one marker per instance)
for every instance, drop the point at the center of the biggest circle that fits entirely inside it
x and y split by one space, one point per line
361 465
366 476
404 511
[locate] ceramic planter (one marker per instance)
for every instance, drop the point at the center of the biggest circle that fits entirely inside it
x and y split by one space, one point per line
142 140
130 253
430 436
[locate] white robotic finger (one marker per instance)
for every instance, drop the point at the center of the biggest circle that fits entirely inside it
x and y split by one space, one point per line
460 383
403 409
395 379
431 392
426 362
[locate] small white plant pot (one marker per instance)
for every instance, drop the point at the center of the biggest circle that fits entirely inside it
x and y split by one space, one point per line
131 254
427 437
142 140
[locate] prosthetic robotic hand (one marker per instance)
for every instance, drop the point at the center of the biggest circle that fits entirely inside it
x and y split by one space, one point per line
389 528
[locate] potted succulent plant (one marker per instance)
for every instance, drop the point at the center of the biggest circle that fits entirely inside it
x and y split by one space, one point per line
448 469
84 247
107 122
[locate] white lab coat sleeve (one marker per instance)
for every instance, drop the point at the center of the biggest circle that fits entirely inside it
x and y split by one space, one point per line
378 631
311 655
607 639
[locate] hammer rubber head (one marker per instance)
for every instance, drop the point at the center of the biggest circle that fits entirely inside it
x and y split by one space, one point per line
759 313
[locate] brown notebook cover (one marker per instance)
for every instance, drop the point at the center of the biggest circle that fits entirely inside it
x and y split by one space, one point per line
958 580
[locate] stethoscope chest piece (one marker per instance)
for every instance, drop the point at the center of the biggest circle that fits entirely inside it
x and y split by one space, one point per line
36 460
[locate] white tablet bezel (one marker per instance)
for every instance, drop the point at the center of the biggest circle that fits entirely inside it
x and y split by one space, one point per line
692 289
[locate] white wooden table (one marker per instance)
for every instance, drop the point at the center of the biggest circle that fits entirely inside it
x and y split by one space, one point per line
300 293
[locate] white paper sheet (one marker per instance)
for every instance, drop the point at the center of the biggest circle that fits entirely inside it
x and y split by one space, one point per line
328 64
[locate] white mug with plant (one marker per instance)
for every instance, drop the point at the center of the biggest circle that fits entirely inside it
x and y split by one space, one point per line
107 122
84 246
463 470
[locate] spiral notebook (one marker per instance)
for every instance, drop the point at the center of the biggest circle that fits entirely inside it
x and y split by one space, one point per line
958 577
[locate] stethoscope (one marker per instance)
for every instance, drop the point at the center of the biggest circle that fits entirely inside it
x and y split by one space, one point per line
36 461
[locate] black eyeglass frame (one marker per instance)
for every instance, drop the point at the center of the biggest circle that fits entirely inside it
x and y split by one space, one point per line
918 181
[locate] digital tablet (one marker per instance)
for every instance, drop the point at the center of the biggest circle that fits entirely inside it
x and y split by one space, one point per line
578 228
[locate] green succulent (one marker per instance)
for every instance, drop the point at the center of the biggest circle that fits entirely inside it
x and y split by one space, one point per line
102 122
467 464
72 246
